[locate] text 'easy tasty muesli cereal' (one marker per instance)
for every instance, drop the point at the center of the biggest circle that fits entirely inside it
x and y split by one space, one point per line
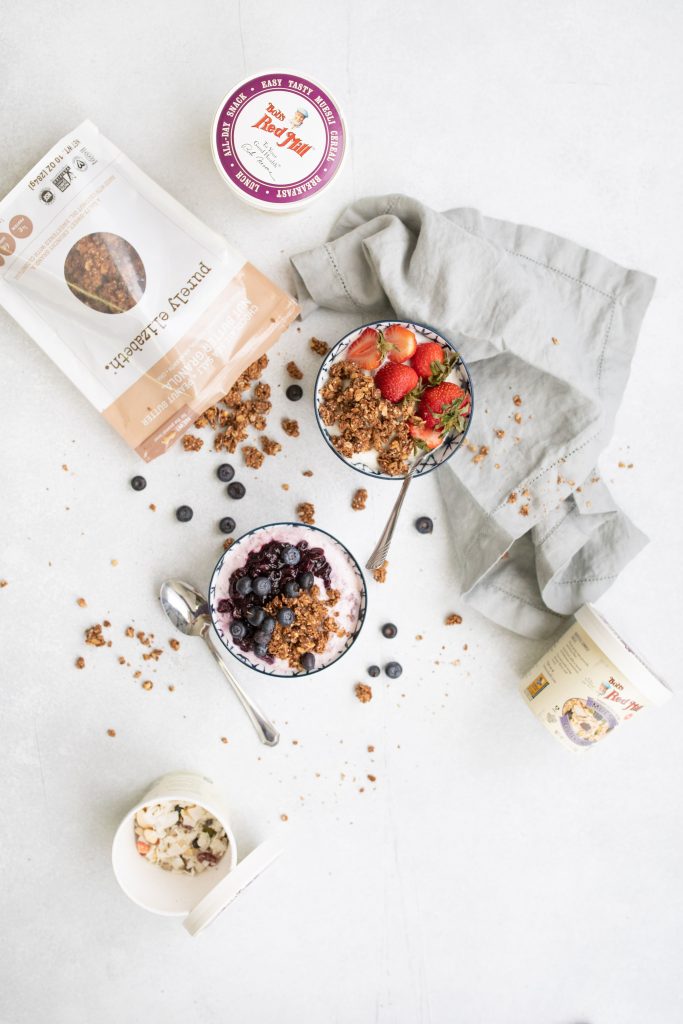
150 313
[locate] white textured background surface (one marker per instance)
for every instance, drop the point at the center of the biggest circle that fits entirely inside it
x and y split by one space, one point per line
488 877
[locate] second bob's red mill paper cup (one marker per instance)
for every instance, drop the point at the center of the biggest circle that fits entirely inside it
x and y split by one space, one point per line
278 140
151 314
590 683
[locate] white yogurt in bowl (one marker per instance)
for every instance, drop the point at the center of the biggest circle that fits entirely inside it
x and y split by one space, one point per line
346 577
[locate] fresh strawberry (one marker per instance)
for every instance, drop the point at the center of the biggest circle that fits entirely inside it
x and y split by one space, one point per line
445 407
367 351
395 381
426 355
400 342
425 438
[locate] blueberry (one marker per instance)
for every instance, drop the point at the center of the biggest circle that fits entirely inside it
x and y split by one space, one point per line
393 669
424 524
255 615
292 588
261 638
268 625
184 513
374 671
260 650
226 525
243 586
138 483
236 489
307 661
225 472
306 580
290 556
285 616
238 630
261 586
389 630
294 392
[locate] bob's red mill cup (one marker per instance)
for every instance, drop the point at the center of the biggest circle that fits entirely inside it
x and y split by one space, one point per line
590 683
150 313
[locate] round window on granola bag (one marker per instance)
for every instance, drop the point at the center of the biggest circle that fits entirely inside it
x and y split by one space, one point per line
105 272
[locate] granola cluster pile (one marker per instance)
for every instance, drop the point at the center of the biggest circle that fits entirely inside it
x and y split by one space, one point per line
312 628
239 410
352 402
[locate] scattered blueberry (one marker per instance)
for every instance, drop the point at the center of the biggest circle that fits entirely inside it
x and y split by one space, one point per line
255 616
238 629
225 472
184 513
261 586
292 588
291 556
261 638
389 630
307 661
285 616
268 625
243 586
226 525
374 671
424 524
236 489
294 392
138 483
306 580
393 669
260 650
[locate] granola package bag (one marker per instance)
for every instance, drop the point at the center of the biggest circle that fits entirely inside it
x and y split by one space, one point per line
150 313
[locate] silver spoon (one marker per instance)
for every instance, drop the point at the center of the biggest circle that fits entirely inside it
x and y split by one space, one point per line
189 612
379 555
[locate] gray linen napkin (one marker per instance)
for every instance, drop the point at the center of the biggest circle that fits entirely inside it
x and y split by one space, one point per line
535 532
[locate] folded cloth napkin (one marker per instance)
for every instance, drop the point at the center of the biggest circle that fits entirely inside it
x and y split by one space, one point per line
548 330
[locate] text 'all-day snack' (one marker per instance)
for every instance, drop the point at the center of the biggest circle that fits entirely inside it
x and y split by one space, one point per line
150 313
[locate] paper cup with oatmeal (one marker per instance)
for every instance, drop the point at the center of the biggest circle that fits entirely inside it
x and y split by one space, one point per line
175 854
150 313
590 683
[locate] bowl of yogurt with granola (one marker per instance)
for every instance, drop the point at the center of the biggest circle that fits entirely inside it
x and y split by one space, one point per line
390 391
287 599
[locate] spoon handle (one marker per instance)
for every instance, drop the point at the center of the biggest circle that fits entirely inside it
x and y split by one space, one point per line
378 556
267 732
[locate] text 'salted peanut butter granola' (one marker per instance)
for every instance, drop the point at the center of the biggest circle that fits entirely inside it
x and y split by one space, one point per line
150 313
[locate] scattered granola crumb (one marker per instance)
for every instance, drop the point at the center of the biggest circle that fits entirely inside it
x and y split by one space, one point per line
114 561
111 732
192 443
453 620
380 574
270 446
170 687
106 623
121 660
147 685
285 487
3 583
65 467
130 631
555 341
307 472
371 749
152 506
500 433
363 692
224 739
524 510
481 454
174 644
295 743
81 602
418 636
359 499
372 778
253 458
306 512
93 636
284 817
516 399
320 347
294 371
518 417
512 498
80 662
154 654
136 675
290 427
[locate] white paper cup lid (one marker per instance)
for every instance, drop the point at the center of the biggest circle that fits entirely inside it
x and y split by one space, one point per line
621 655
229 887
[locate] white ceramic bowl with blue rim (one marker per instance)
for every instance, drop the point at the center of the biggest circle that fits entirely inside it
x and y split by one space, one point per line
366 462
335 552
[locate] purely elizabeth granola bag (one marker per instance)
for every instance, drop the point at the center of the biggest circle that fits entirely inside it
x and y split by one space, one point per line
150 313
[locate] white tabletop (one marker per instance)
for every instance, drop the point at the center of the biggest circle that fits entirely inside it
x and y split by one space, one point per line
487 875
